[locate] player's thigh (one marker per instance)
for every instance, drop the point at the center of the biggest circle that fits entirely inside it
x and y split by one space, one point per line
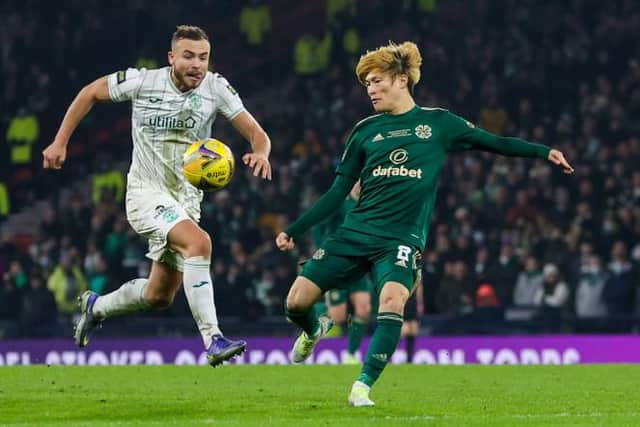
331 271
187 238
153 215
164 282
398 263
303 294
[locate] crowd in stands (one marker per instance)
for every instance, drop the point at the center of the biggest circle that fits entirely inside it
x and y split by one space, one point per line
505 233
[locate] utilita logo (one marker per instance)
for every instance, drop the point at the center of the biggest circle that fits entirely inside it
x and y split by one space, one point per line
171 123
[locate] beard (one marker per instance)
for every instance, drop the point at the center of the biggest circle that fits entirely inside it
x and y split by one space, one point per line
183 82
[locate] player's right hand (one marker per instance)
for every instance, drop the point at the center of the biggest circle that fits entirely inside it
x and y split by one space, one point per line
556 157
54 156
284 242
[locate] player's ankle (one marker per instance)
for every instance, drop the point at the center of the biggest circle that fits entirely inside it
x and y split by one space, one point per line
359 383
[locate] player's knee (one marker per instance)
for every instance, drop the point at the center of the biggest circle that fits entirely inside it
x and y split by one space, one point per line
392 303
296 304
200 246
159 301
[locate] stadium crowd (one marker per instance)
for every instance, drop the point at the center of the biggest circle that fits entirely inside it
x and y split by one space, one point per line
510 238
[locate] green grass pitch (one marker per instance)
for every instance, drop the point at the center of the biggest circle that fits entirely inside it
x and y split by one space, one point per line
586 395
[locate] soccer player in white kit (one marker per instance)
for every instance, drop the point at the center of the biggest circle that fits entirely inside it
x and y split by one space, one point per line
171 108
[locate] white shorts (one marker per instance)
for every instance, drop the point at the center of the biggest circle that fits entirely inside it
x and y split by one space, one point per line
153 214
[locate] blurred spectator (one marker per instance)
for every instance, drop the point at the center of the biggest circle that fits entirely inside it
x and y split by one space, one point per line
554 292
455 294
17 275
22 133
10 299
481 264
98 278
337 8
38 316
493 118
618 293
255 22
486 296
503 272
592 281
67 282
108 184
311 55
529 282
5 204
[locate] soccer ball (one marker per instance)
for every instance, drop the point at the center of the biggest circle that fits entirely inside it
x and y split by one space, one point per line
208 164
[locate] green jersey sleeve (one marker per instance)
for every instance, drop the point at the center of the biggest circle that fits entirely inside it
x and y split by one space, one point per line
323 207
464 135
353 157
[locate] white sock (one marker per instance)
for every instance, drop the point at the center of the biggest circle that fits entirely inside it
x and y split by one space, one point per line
198 287
127 298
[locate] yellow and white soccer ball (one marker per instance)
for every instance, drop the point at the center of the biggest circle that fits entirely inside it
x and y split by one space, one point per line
208 164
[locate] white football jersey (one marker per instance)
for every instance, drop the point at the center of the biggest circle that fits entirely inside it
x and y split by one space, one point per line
165 121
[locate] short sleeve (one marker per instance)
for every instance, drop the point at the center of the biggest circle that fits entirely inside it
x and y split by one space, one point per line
230 103
124 85
352 158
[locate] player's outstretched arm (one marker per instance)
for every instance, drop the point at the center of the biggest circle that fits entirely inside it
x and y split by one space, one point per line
251 130
321 209
467 136
55 154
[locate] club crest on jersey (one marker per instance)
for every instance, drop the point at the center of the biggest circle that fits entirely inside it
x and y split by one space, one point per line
319 254
423 131
168 214
195 101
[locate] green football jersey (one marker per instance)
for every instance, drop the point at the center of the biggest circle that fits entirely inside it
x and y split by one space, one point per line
398 159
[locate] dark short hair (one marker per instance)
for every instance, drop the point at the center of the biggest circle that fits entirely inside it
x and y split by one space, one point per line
189 32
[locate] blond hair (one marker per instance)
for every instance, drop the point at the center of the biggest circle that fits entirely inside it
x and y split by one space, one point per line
392 59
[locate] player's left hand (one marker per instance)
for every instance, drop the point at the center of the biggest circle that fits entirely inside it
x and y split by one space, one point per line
259 163
284 242
556 157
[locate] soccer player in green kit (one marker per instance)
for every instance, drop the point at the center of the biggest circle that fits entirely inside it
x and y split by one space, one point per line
358 292
397 154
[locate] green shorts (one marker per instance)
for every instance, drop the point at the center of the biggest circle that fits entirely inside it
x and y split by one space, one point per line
340 296
347 256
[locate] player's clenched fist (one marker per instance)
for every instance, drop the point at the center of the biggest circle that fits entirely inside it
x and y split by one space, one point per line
54 156
284 242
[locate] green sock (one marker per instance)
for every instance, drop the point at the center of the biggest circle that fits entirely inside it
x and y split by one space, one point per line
383 344
307 320
357 329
